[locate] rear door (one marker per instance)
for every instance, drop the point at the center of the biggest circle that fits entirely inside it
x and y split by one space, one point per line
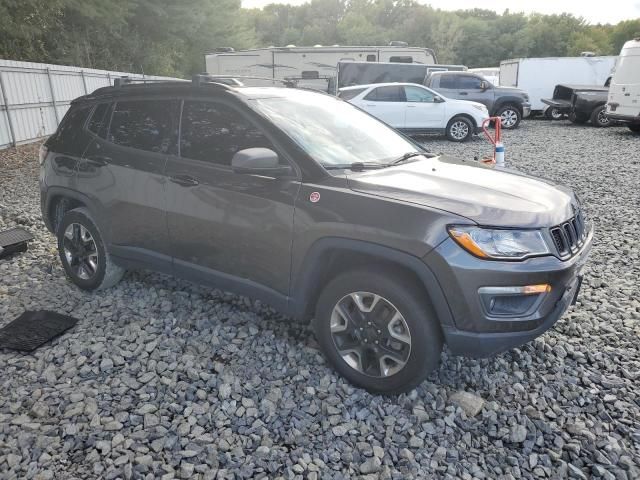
421 109
388 103
123 172
223 224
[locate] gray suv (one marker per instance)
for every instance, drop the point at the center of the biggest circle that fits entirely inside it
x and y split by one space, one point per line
307 203
510 104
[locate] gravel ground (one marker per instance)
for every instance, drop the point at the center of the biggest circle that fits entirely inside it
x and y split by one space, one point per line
163 378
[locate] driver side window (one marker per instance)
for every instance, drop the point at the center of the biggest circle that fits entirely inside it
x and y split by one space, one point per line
470 82
417 94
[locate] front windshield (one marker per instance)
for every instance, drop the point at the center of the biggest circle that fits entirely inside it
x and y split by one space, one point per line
334 132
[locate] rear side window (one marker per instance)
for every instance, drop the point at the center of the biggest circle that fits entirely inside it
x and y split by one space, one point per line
371 58
99 119
349 94
213 132
389 93
401 59
69 136
148 125
448 81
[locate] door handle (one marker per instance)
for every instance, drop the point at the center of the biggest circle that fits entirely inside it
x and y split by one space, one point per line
184 180
464 93
411 106
370 105
98 160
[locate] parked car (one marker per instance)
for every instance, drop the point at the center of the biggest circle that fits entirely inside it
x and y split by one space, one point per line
623 101
582 103
415 109
539 76
309 204
510 104
352 73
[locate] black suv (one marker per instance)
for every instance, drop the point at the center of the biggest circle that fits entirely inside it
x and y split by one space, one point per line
305 202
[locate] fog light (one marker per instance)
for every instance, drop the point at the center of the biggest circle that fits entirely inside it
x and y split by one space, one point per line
512 301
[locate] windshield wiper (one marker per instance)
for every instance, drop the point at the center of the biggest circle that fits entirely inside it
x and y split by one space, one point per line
355 166
405 157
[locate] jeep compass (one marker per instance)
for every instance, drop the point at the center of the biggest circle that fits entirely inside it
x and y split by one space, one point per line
311 205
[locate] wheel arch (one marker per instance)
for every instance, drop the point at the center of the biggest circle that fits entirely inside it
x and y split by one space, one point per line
331 256
60 200
468 116
503 101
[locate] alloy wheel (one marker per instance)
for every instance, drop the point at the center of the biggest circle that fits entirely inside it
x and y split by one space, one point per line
602 117
80 251
459 130
509 118
370 334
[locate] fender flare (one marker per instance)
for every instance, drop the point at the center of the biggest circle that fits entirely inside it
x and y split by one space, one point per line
502 101
54 192
305 288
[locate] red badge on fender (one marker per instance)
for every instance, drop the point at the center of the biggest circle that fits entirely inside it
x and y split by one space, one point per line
314 197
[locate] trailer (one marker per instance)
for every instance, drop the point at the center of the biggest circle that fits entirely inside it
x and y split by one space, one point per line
366 73
539 76
312 67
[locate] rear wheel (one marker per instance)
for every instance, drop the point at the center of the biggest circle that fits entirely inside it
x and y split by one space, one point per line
578 118
378 331
510 116
83 254
459 129
599 117
553 113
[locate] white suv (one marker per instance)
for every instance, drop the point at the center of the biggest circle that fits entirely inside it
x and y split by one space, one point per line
417 109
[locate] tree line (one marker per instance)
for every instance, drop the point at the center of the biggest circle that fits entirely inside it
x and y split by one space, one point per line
165 37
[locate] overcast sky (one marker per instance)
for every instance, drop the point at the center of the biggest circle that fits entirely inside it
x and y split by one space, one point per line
609 11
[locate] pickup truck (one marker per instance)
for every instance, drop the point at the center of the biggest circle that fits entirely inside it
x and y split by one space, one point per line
582 103
510 104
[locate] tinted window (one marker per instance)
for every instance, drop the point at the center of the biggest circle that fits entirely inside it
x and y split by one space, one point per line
469 81
213 132
98 119
386 94
371 58
349 94
401 59
417 94
145 124
448 81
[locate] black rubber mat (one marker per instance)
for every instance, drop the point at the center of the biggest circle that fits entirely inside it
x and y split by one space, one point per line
13 241
32 329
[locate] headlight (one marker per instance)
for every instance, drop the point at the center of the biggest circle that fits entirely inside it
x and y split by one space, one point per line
499 244
482 108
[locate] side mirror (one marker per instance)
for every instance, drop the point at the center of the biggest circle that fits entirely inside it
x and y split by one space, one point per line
484 85
438 99
259 161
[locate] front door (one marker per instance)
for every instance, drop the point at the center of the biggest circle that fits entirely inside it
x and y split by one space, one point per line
422 110
226 226
386 103
470 88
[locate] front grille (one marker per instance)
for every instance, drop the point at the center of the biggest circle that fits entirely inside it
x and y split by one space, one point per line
569 236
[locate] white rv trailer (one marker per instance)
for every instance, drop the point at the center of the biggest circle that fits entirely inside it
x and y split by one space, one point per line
313 67
624 92
539 76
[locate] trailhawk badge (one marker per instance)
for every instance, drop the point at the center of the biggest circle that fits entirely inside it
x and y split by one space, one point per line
314 197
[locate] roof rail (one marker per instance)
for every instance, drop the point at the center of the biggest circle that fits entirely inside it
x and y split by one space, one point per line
234 80
126 80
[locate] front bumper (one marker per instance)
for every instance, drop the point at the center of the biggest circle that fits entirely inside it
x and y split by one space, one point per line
624 118
474 333
526 110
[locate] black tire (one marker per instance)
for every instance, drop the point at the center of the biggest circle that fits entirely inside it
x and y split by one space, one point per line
79 268
578 118
553 113
459 129
511 116
599 118
416 313
634 127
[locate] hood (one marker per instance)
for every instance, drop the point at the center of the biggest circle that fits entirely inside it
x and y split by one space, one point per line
481 193
509 91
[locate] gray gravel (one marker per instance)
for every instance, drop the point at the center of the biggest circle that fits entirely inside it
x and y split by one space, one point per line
162 378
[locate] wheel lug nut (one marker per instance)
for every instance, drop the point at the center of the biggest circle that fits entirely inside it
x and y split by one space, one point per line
379 332
368 323
376 342
361 328
366 341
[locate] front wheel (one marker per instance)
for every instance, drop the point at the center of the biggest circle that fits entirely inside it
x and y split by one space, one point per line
83 254
459 129
510 116
378 331
552 113
599 117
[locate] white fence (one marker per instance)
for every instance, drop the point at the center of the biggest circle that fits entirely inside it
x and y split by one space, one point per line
35 96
